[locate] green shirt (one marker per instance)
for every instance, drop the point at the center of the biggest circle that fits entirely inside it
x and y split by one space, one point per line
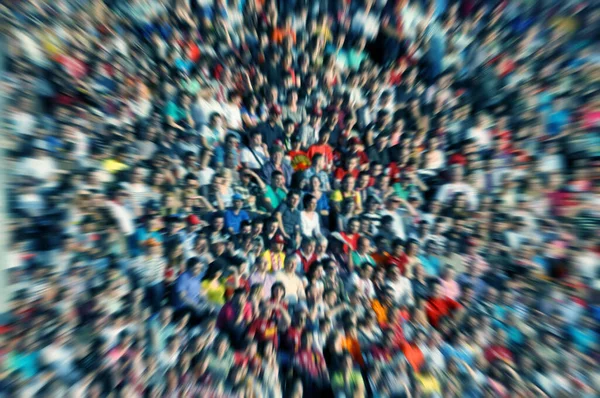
276 197
174 111
347 386
192 86
403 192
359 259
355 58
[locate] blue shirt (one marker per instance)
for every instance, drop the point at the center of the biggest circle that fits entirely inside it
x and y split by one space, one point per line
557 121
189 284
431 265
234 221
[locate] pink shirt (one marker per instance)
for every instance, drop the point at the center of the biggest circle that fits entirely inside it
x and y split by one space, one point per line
450 289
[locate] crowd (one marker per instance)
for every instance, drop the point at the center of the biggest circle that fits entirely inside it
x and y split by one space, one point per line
335 198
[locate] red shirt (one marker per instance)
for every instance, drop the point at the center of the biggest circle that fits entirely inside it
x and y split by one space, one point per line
311 362
457 158
228 315
439 307
559 201
399 262
340 173
351 239
496 352
291 340
264 330
324 149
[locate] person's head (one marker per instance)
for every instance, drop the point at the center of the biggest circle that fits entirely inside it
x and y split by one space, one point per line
277 291
293 199
457 173
318 162
238 201
308 245
256 138
393 202
218 221
353 225
309 202
277 244
321 245
277 155
240 296
277 179
348 183
364 244
290 264
324 135
412 247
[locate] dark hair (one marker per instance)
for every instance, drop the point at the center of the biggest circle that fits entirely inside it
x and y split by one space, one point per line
306 200
191 263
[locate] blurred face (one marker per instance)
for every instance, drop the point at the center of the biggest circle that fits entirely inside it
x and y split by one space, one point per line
312 205
279 180
277 157
290 265
315 183
348 184
309 247
293 200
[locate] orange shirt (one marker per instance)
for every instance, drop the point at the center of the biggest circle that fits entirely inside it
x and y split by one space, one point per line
280 33
353 346
413 355
381 258
381 312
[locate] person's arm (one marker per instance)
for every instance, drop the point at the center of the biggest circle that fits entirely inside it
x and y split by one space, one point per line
317 230
300 291
419 183
409 207
280 221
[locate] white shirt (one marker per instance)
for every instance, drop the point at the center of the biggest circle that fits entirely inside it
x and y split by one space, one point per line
124 217
250 160
482 136
310 226
43 168
397 224
447 191
205 176
402 290
24 123
365 23
232 116
294 288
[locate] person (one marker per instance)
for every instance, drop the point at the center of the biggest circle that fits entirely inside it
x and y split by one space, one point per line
262 277
310 224
293 285
275 192
235 216
439 307
276 163
289 216
275 256
189 297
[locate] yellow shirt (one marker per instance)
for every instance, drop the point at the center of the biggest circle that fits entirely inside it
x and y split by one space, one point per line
214 293
429 384
114 166
338 196
274 260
